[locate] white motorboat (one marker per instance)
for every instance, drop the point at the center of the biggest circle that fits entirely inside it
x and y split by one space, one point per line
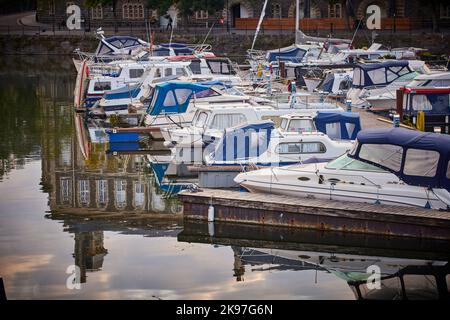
260 144
389 166
387 100
336 82
117 101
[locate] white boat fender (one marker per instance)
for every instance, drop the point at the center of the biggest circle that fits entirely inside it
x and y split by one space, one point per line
211 212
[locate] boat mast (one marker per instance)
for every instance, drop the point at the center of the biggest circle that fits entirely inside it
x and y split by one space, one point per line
297 19
261 18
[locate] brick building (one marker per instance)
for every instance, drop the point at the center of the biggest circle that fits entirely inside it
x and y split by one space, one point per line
244 14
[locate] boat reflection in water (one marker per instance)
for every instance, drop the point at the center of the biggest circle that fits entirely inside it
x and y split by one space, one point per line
408 268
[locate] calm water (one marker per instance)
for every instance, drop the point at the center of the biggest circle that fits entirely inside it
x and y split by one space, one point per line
65 202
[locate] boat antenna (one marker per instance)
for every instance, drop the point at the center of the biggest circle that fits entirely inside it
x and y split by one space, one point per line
261 18
207 35
171 35
356 31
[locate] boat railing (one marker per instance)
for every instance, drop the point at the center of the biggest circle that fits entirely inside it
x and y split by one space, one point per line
342 175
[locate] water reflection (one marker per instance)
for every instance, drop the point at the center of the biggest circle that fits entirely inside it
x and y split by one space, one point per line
65 201
422 272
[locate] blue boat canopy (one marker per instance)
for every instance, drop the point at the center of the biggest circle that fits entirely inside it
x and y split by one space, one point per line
123 93
174 97
291 54
366 75
417 158
179 48
339 125
109 45
242 142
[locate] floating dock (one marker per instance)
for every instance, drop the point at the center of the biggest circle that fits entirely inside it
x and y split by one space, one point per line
342 216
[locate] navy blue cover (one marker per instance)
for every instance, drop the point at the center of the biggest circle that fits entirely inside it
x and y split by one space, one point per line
411 139
323 118
374 66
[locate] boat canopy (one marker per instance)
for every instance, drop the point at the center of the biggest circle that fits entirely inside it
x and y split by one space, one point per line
123 93
243 141
174 97
333 82
433 101
417 158
339 125
379 74
180 49
290 54
112 44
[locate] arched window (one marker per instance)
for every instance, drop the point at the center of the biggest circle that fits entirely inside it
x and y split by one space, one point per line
97 13
335 10
133 11
276 10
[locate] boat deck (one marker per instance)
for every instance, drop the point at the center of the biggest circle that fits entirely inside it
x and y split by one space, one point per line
279 210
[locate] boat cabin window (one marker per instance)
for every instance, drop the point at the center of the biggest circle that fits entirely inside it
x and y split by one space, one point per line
344 84
448 170
136 73
301 147
182 95
181 72
300 125
157 73
283 124
199 120
420 102
388 155
421 163
205 93
167 72
220 67
378 76
357 77
344 162
195 67
102 86
223 121
169 100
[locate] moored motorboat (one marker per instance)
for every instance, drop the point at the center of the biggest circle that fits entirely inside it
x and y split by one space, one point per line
389 166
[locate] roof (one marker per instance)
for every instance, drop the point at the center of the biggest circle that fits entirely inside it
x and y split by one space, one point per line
407 138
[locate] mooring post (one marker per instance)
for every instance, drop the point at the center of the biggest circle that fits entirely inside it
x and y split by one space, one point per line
2 291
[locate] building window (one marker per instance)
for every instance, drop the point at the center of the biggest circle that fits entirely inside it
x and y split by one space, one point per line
102 192
201 14
276 10
97 13
66 190
51 8
133 11
120 193
83 192
445 12
335 10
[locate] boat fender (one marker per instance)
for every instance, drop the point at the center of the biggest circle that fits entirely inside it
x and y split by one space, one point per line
211 213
